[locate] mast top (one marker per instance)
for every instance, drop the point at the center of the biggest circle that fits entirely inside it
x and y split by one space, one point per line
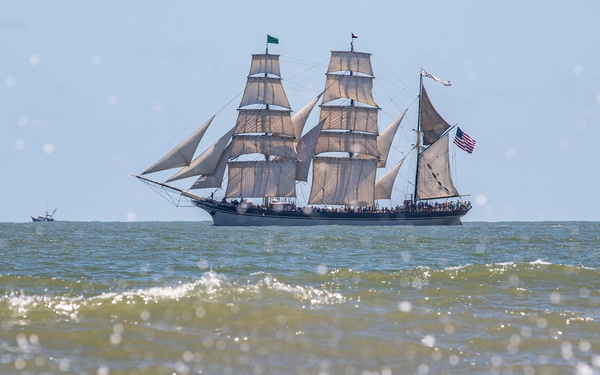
354 36
271 40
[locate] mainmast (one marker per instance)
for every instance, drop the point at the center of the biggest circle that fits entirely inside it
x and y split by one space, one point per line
352 103
349 128
418 143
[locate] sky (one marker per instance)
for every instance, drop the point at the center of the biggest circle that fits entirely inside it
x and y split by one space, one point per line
91 92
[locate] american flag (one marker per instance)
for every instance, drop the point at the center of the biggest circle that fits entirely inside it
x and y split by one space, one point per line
463 141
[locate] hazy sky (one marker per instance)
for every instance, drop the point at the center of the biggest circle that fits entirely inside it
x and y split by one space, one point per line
92 91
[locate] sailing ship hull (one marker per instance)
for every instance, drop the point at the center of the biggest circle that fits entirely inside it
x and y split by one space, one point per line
226 214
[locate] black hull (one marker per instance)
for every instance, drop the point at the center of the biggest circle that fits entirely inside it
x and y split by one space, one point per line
225 214
41 219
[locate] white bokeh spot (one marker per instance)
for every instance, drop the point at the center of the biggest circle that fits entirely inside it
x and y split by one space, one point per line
11 81
131 216
19 144
428 340
34 59
158 106
511 153
405 306
481 199
112 100
563 143
322 269
48 148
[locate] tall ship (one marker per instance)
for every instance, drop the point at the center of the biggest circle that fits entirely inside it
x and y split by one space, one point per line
252 172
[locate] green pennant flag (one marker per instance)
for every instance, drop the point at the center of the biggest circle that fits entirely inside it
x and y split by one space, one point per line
272 39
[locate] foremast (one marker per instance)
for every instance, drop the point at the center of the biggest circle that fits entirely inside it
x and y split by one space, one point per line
264 152
263 156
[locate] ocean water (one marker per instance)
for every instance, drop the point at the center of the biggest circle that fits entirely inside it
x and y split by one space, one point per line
191 298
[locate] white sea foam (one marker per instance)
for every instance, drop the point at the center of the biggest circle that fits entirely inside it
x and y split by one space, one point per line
540 261
21 304
315 296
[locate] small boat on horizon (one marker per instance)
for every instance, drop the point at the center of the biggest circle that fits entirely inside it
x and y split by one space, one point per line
46 217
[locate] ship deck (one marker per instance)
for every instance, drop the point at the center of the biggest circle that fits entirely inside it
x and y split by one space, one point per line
227 214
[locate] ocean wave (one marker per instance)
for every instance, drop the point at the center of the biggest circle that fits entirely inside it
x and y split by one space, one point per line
212 287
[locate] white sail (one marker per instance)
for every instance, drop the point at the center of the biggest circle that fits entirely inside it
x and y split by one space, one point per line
257 179
264 121
384 141
362 119
265 64
300 117
350 61
183 153
359 88
215 179
343 181
305 150
265 91
267 145
434 179
357 143
207 162
384 186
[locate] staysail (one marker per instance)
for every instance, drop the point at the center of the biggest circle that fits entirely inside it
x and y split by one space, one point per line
384 186
207 162
182 154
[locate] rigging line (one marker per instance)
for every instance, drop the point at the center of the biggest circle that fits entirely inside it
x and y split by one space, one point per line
392 73
392 99
304 62
393 117
403 128
454 168
198 115
312 66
